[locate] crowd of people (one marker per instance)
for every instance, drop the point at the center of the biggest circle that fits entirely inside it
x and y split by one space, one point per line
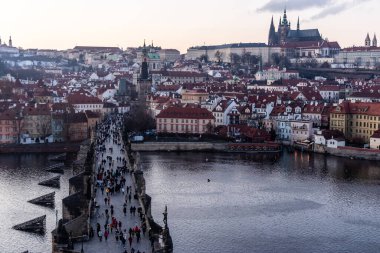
113 178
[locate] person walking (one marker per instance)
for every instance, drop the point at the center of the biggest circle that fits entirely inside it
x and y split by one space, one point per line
106 235
100 235
130 241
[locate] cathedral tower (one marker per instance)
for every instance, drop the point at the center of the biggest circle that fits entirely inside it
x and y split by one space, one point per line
144 74
367 41
284 28
272 38
374 41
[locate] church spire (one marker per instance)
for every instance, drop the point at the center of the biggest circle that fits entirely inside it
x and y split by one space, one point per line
144 50
298 24
374 41
285 19
272 34
367 41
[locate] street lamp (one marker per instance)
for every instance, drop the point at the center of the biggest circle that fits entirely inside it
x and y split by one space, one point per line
82 251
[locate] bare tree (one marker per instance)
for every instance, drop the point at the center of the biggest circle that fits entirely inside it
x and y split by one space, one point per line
219 56
235 58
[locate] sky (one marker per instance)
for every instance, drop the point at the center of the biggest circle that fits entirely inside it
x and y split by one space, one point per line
180 24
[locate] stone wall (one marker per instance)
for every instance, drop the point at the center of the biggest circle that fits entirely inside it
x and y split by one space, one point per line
178 146
318 148
355 153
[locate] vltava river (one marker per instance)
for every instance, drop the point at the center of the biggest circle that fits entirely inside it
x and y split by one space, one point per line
301 203
19 178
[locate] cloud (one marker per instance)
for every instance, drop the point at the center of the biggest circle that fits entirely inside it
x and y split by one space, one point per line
324 8
332 10
279 5
338 8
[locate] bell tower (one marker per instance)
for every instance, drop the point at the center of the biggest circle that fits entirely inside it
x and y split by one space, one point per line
367 41
374 41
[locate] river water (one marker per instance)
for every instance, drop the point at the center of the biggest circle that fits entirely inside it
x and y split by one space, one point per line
297 203
19 178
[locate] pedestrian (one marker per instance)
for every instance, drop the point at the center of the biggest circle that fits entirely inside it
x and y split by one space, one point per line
122 239
119 224
130 232
130 241
106 235
125 210
117 235
100 235
138 235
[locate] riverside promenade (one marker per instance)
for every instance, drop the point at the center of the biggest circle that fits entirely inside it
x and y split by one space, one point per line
113 149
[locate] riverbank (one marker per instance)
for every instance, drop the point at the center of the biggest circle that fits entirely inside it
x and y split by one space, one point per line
40 148
347 152
355 153
205 147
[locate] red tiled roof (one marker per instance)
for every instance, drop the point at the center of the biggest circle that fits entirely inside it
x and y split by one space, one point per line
361 49
346 107
329 88
185 113
83 99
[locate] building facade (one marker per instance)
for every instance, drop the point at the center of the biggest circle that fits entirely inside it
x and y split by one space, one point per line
358 121
185 120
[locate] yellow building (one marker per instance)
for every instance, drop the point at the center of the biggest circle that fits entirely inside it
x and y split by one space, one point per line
194 96
358 121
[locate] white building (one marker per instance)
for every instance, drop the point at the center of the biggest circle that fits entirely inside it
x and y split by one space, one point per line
301 130
336 142
374 141
358 57
258 49
169 55
274 74
329 92
221 112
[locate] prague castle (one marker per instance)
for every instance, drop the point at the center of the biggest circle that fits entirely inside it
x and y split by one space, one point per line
285 34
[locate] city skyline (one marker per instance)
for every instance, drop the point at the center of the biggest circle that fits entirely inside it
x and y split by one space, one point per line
63 25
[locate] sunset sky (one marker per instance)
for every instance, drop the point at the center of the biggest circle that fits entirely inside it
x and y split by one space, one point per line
63 24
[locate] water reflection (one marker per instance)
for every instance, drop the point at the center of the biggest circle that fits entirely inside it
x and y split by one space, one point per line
19 177
298 202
